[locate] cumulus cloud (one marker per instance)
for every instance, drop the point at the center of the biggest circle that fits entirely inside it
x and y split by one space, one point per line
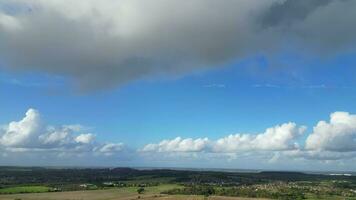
278 138
178 145
111 42
329 141
55 137
33 135
31 132
337 135
85 138
22 133
319 155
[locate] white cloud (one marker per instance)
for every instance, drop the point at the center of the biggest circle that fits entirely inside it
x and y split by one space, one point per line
110 148
85 138
75 127
320 155
31 132
178 145
337 135
333 140
55 137
329 141
278 138
23 132
32 135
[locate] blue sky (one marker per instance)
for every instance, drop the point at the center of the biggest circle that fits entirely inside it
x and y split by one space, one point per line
172 98
212 103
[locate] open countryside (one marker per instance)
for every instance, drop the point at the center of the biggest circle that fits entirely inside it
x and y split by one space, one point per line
26 183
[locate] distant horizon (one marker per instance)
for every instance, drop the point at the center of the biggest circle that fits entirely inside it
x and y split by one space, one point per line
353 173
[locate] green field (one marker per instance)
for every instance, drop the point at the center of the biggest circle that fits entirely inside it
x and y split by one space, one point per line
24 189
126 193
150 193
42 192
127 183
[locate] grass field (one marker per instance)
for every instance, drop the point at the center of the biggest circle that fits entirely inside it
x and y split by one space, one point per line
24 189
111 194
127 193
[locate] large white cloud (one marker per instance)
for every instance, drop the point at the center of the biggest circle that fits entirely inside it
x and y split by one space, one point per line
110 42
278 138
281 137
329 141
22 133
32 134
337 135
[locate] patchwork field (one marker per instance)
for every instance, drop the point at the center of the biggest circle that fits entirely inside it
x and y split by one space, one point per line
126 183
112 194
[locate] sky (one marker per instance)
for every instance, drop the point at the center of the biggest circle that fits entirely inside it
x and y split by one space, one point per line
243 84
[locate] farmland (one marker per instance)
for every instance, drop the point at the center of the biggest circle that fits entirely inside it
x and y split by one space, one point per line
25 189
111 194
127 183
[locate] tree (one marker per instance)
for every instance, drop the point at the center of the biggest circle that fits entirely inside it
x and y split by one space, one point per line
140 190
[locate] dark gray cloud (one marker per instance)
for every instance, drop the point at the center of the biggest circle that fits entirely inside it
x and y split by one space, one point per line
289 11
322 26
101 44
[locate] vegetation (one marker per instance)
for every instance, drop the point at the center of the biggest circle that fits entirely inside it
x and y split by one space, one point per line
176 183
140 190
25 189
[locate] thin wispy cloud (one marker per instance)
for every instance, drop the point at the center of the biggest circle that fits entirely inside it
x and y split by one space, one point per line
318 86
16 82
215 85
45 82
265 86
